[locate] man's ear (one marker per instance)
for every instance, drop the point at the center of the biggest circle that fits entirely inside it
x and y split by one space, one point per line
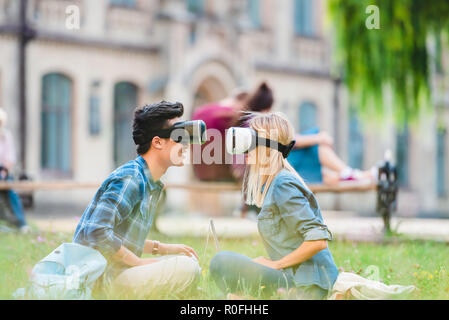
157 143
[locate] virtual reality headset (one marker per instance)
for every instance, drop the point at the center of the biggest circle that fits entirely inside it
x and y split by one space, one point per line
185 132
242 140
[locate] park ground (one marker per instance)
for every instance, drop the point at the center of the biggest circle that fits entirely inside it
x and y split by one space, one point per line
399 261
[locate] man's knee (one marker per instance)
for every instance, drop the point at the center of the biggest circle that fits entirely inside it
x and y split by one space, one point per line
190 266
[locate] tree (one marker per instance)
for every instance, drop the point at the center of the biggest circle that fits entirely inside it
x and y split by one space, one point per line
393 58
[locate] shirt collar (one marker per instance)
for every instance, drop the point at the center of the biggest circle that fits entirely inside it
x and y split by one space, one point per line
152 184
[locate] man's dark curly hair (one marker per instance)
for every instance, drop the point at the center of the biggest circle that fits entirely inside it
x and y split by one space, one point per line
150 118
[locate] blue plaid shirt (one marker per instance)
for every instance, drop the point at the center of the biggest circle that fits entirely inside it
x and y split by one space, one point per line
121 212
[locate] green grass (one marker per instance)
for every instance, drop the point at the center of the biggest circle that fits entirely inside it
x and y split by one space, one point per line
423 264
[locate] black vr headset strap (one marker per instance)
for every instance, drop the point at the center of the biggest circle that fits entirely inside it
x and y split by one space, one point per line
167 133
161 133
282 148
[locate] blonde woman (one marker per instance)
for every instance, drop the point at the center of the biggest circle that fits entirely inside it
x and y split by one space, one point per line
290 225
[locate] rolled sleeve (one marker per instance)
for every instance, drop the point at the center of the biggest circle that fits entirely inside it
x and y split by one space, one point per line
295 210
113 206
320 233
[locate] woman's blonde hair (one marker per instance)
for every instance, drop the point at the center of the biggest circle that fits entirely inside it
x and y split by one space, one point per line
265 163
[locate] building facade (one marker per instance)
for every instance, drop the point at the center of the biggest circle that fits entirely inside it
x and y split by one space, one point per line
82 85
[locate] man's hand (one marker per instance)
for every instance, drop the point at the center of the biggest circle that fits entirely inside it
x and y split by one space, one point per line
166 248
266 262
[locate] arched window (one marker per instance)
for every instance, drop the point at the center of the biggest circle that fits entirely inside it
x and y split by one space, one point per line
303 19
56 123
402 156
125 101
123 3
195 6
355 140
307 117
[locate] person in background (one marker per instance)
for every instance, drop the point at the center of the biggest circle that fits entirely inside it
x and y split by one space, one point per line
313 156
119 217
219 116
7 161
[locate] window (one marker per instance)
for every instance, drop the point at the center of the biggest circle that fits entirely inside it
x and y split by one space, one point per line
307 117
193 33
125 101
56 123
94 115
304 17
195 6
254 13
402 155
441 163
123 3
355 141
94 109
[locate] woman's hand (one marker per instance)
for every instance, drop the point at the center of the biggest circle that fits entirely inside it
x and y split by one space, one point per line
166 248
266 262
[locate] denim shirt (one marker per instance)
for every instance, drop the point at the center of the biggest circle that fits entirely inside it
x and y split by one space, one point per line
121 212
289 216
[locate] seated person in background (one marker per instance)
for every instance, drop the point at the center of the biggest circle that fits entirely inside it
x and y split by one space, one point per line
118 219
7 161
316 161
313 156
219 116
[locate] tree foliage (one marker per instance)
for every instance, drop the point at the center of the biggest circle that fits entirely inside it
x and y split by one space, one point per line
392 61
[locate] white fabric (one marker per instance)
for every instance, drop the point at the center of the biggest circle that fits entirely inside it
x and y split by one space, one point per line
351 285
7 151
172 273
68 272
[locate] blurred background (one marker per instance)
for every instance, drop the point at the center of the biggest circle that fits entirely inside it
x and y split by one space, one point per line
70 93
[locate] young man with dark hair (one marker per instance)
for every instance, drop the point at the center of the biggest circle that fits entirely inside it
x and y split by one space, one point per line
118 219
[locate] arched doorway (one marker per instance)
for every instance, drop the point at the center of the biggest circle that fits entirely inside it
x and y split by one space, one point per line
125 101
56 124
210 90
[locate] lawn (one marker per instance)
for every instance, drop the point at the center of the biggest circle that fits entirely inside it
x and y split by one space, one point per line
423 264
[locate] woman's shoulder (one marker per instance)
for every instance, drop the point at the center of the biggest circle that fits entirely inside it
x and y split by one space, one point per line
287 180
286 176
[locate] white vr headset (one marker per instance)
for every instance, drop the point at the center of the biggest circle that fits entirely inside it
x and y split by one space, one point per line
242 140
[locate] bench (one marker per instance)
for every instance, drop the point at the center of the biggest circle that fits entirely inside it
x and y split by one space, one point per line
383 193
194 186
